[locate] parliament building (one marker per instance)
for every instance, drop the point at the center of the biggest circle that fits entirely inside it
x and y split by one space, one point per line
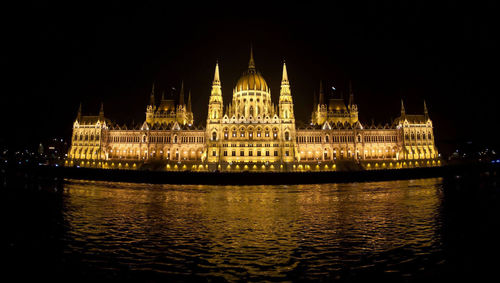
251 133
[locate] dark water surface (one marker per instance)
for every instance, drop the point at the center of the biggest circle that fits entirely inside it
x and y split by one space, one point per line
412 230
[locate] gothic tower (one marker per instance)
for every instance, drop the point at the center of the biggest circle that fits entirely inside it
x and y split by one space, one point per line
287 118
215 108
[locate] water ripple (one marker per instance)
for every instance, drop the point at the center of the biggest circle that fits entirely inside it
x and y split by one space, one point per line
329 231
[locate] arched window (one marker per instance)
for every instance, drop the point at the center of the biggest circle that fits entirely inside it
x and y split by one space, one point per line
327 138
287 136
429 136
175 139
214 136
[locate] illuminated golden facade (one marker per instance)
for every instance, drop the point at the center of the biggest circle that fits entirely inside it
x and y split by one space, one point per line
252 133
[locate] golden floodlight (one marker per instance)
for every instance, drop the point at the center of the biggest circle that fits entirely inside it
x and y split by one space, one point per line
240 122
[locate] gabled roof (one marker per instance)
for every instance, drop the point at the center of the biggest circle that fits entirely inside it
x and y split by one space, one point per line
412 119
92 120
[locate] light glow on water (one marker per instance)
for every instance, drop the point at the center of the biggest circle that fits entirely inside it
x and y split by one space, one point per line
255 232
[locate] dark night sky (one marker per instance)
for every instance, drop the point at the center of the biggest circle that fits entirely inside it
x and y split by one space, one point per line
62 54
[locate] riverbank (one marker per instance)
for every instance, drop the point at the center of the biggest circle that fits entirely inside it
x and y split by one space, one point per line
244 178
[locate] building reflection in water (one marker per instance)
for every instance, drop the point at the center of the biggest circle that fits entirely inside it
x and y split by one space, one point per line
253 232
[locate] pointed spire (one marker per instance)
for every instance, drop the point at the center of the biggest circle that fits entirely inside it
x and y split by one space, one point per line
216 85
351 94
189 102
181 94
402 108
315 102
426 113
216 75
285 86
251 63
101 111
321 94
79 115
152 97
285 74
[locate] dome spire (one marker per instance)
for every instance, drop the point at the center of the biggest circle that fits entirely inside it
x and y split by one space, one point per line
251 63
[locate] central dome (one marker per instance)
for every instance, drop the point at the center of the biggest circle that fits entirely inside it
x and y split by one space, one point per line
251 79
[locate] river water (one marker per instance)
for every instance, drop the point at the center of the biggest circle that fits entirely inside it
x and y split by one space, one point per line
411 230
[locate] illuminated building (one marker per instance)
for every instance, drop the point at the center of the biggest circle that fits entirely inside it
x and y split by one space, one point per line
252 133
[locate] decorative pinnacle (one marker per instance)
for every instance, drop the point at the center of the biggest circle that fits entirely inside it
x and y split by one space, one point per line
189 102
152 96
321 94
285 74
351 93
216 75
181 94
402 107
101 111
79 110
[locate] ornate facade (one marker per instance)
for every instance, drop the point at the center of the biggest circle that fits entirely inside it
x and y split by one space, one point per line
252 133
